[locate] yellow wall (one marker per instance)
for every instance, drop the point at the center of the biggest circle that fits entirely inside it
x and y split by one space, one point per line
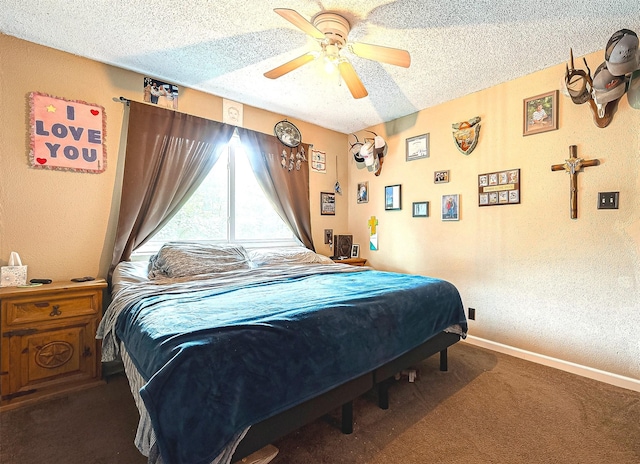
62 223
539 280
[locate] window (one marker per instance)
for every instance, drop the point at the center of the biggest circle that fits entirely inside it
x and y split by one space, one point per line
229 206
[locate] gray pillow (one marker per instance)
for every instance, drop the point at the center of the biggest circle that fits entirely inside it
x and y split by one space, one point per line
180 259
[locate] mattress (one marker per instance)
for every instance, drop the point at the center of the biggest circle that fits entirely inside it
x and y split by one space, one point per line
209 356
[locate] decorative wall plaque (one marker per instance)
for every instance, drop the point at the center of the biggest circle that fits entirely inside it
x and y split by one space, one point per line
66 134
499 188
466 134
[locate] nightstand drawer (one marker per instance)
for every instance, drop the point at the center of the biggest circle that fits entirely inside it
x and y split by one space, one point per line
50 307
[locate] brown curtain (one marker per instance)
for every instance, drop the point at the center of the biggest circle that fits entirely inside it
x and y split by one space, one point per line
168 155
283 174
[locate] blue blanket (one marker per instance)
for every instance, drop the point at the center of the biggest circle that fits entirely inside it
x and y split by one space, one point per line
218 360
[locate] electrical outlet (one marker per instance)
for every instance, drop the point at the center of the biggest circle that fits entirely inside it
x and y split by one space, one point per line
472 314
608 200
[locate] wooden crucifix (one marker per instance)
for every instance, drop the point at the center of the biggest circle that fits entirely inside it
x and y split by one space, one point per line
573 166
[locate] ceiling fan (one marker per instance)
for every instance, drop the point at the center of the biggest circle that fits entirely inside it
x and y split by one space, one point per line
331 29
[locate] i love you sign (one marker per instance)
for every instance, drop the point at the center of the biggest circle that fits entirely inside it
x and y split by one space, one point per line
66 134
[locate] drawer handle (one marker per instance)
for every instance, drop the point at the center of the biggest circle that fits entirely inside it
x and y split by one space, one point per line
41 305
55 311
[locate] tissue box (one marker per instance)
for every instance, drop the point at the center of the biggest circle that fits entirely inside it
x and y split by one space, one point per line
12 276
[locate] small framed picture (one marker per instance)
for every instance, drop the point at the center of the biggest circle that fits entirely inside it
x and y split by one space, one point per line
440 177
450 207
540 113
418 147
392 197
421 209
355 250
363 192
327 203
232 112
160 93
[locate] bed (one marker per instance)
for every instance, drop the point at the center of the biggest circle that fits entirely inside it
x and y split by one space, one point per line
228 349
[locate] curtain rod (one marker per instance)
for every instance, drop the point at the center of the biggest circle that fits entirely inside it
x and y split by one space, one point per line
126 101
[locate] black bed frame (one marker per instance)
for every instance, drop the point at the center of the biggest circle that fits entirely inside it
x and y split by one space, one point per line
273 428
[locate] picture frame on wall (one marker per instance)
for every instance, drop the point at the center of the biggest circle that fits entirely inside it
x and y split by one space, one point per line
160 93
450 207
421 209
540 113
440 177
393 197
418 147
363 192
327 203
232 112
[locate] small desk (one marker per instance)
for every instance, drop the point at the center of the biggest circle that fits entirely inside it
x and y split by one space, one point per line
351 261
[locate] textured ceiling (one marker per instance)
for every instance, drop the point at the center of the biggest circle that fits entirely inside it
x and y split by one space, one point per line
224 47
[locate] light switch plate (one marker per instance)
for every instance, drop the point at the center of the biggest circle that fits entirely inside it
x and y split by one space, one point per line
608 200
328 236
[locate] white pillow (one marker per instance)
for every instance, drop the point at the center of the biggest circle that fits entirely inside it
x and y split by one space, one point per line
180 259
288 255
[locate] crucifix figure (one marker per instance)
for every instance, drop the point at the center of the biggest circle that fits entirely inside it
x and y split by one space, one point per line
573 166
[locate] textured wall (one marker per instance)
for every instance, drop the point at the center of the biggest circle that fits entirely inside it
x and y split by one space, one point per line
62 223
539 280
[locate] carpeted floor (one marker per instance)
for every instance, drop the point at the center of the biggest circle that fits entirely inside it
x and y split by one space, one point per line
488 408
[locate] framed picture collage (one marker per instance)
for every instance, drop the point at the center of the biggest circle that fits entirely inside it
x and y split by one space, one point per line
499 188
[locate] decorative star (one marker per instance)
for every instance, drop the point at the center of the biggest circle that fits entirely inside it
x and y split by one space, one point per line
51 109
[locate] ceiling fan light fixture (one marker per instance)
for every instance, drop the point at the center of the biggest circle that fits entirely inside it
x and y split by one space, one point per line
332 50
329 65
331 58
331 30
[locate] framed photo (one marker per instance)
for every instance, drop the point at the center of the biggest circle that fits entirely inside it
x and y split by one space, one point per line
421 209
363 192
392 197
440 177
327 203
499 188
355 250
418 147
450 207
540 113
232 112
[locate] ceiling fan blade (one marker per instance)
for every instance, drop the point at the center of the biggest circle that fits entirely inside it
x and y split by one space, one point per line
389 55
300 22
290 66
352 80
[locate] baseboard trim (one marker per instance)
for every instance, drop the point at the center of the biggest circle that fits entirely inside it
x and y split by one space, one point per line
585 371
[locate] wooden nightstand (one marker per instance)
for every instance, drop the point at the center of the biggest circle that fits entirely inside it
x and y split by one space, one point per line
352 261
48 343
